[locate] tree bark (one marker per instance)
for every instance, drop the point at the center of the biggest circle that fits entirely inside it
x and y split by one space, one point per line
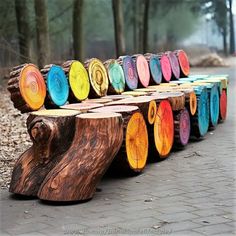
231 29
119 27
51 136
42 32
145 25
22 18
224 35
76 175
78 30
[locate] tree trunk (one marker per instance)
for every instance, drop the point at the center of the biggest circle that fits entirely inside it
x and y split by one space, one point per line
145 25
51 136
119 27
140 26
78 30
76 175
224 34
135 49
231 29
23 28
42 32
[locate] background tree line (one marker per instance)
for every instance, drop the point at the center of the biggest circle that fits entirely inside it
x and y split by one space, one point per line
44 31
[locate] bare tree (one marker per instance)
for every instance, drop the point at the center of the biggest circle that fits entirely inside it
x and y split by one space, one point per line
42 32
119 27
22 18
78 29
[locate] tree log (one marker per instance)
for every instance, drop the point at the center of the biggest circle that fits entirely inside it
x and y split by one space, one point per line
130 72
165 67
134 150
57 86
27 88
174 63
142 70
134 93
155 68
97 77
223 105
176 99
164 129
101 100
200 121
116 77
117 97
183 62
182 127
78 80
52 132
94 146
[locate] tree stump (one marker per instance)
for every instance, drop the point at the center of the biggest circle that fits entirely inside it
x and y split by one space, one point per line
165 67
79 170
223 105
130 72
183 62
52 132
116 77
78 80
57 86
82 107
182 127
142 70
133 153
97 77
155 68
164 129
27 88
200 121
174 63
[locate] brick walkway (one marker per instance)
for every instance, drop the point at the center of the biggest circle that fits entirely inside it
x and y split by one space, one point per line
190 193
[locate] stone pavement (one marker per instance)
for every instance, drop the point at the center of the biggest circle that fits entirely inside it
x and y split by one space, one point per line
190 193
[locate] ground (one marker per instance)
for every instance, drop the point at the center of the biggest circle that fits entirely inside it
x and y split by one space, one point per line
190 193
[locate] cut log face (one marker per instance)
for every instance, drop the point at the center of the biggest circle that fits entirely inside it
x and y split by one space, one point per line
183 62
200 121
174 64
142 70
159 88
78 80
214 105
133 155
27 88
165 67
130 72
57 86
223 105
182 127
155 68
164 129
98 78
82 107
76 175
52 132
116 77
